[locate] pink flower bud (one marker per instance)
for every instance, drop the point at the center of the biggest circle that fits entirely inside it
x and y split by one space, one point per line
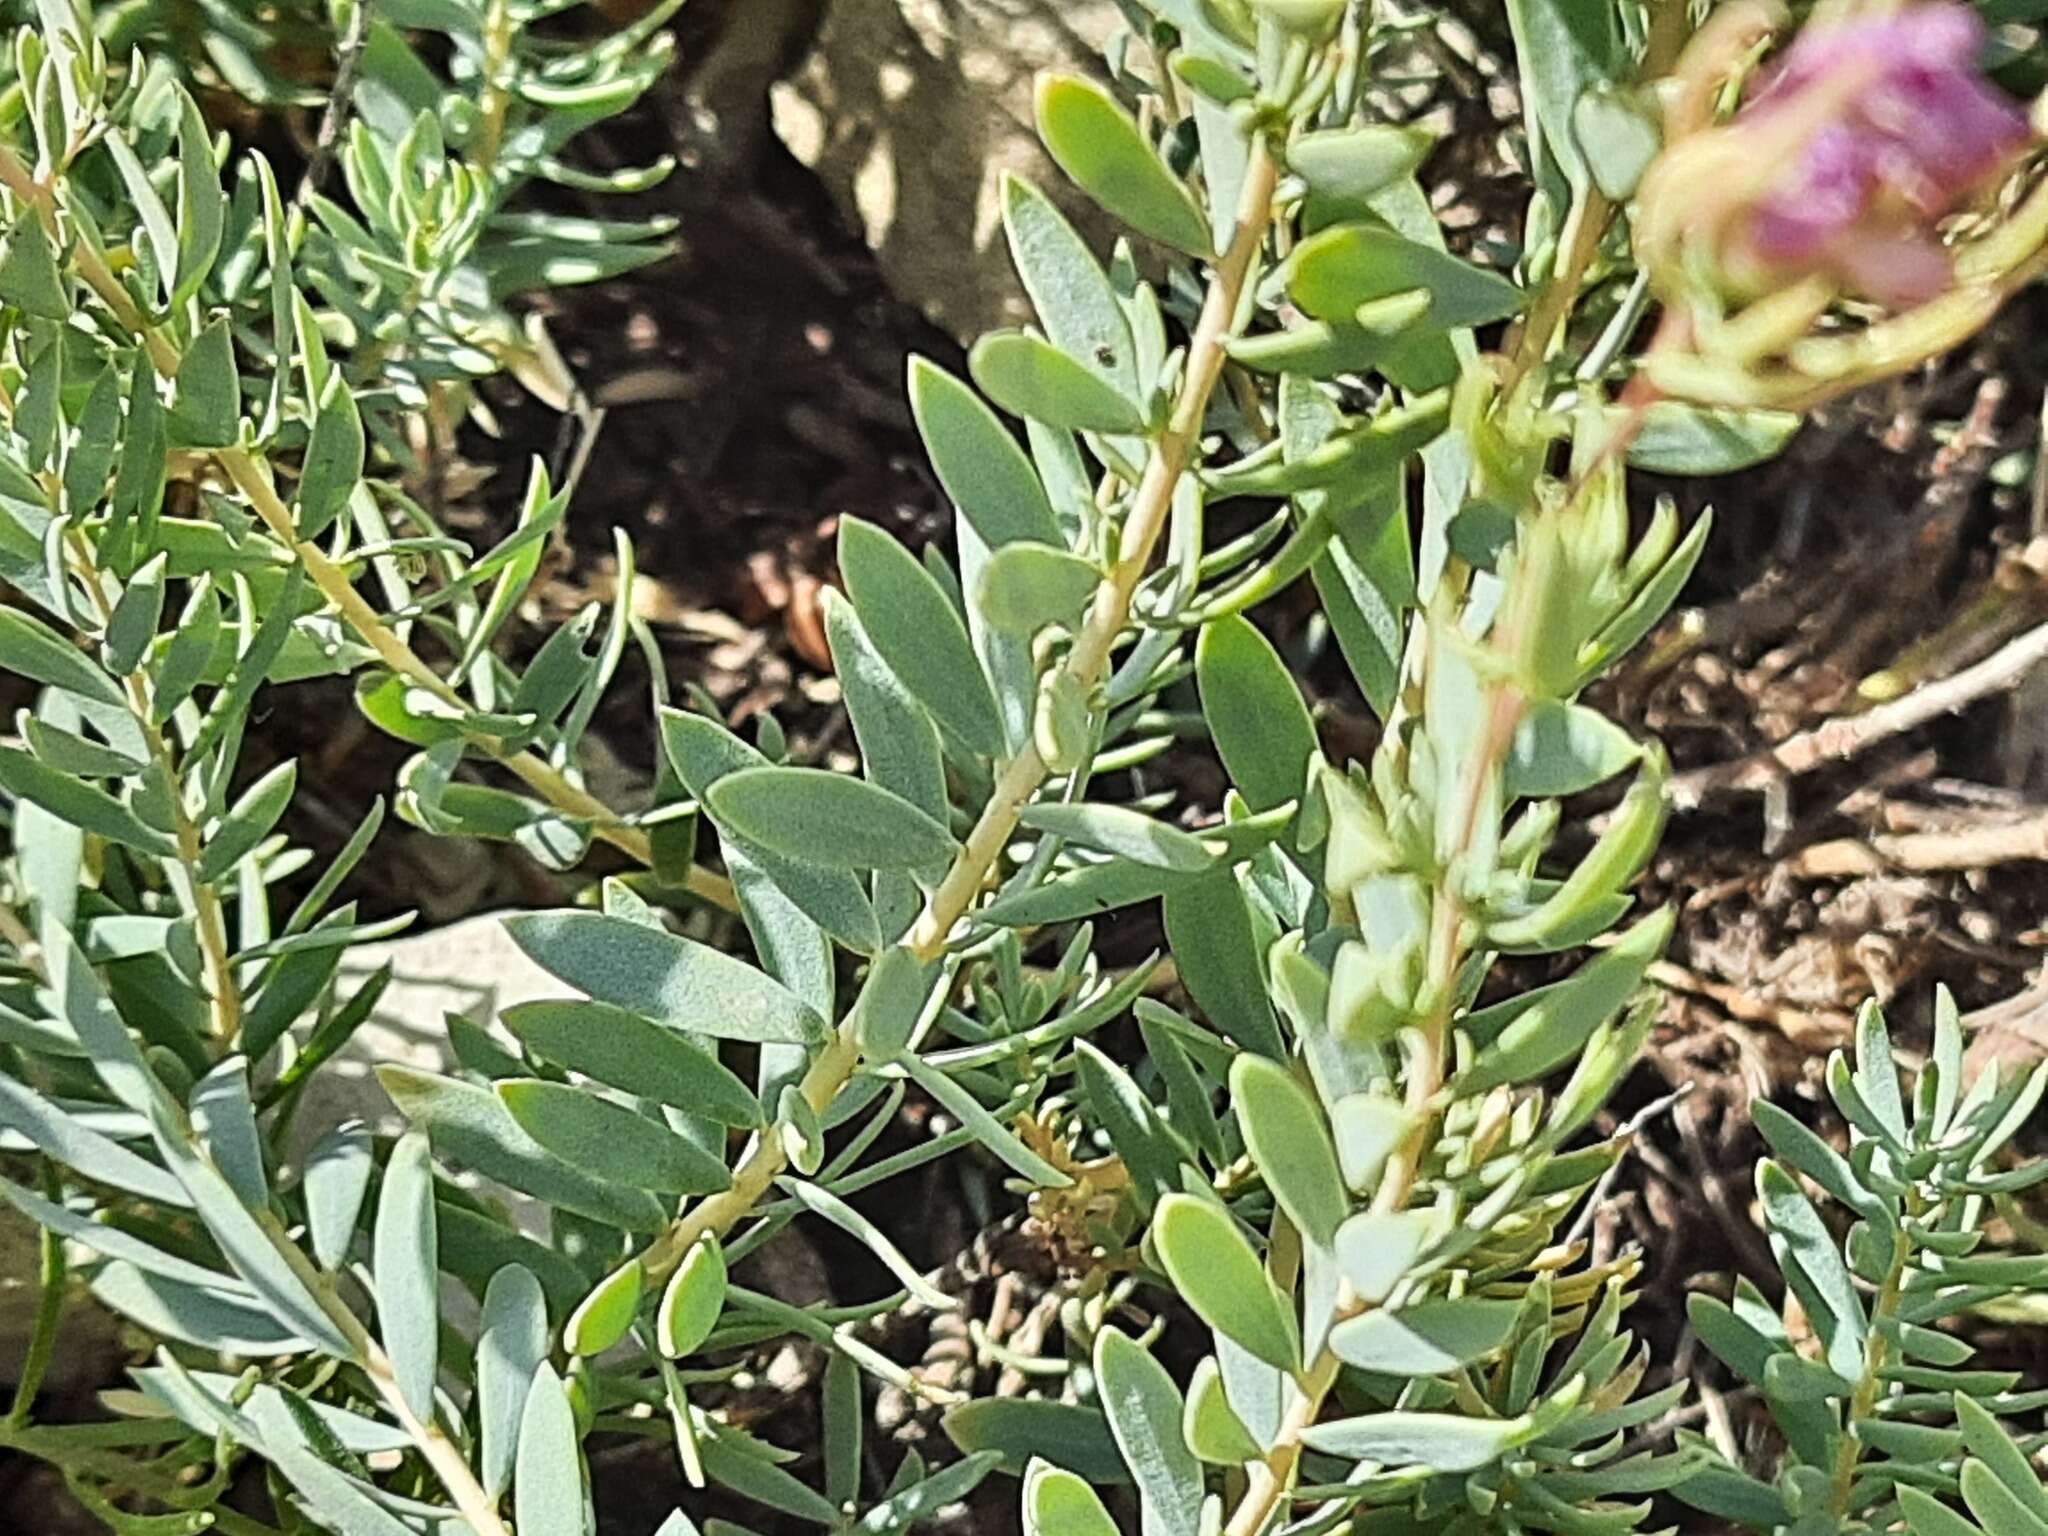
1884 123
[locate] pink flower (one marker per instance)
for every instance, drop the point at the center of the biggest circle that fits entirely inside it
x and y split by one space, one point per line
1890 125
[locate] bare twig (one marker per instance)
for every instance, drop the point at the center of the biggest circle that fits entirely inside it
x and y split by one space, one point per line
348 63
1973 847
1795 1024
1847 736
1627 1131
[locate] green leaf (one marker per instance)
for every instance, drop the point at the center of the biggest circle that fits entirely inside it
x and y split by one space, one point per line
1331 275
29 279
1057 1503
1564 48
474 1247
469 1125
1125 833
1025 587
1677 438
153 216
1029 377
344 1506
920 1502
334 460
1150 1155
984 1126
1443 1442
626 1050
1284 1129
891 1002
141 477
1346 168
39 408
693 1300
202 208
1376 1250
1367 1127
1313 20
984 471
258 1253
1926 1517
1995 1451
1098 144
1560 749
1076 304
664 977
1795 1145
829 818
1581 903
919 633
92 455
822 1202
547 1482
408 1281
1255 712
132 626
1552 1023
65 1139
1828 1292
2001 1510
510 1347
740 1464
1427 1338
1877 1076
1616 137
230 1322
844 1414
206 410
702 752
1144 1409
69 752
1650 603
183 663
1067 1435
224 1119
607 1140
336 1179
83 805
605 1315
1366 575
339 1432
253 819
1218 82
1209 929
1210 1425
1212 1264
899 745
32 649
112 1242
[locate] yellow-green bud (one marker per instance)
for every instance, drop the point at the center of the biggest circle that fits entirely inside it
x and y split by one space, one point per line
1304 18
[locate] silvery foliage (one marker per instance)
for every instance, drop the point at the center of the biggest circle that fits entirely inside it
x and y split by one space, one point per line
1359 1182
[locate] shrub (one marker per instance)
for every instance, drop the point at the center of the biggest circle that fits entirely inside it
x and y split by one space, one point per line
1352 1185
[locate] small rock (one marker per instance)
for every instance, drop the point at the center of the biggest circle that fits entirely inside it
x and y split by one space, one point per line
910 111
472 968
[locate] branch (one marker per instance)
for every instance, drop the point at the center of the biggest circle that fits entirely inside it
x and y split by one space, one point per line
1022 776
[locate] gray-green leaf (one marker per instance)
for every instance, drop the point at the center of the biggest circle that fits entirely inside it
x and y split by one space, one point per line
407 1263
665 977
829 818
